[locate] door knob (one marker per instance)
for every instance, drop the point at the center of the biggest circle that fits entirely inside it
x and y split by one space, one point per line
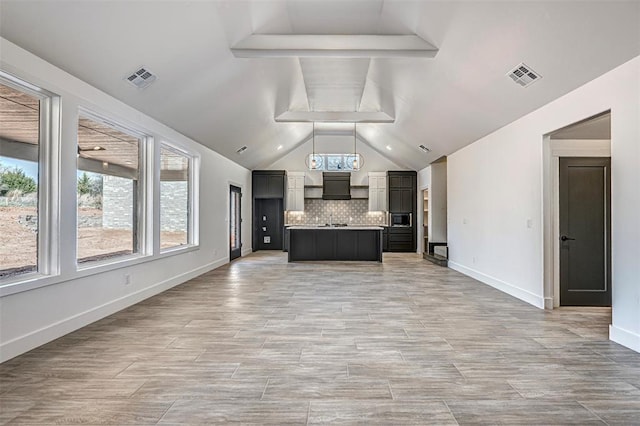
565 238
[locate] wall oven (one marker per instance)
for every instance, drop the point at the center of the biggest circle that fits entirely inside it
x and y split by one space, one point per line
401 220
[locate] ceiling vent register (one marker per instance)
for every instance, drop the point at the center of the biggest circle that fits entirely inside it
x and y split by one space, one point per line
142 78
524 75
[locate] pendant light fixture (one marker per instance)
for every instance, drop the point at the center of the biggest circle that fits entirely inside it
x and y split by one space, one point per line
311 161
314 164
355 152
358 160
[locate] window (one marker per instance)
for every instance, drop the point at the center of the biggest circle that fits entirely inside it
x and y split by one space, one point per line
110 192
335 162
175 198
25 145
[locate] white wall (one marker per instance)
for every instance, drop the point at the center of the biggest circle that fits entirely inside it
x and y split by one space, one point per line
438 203
495 197
334 144
73 299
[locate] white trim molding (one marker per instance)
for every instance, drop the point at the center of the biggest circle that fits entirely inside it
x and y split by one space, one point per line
333 46
624 337
505 287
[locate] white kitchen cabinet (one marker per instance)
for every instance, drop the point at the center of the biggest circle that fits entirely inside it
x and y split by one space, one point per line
295 191
377 191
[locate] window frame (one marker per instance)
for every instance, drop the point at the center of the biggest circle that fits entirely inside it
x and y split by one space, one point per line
54 266
192 198
47 252
143 209
345 159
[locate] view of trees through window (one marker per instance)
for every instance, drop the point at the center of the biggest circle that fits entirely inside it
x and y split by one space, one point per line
19 150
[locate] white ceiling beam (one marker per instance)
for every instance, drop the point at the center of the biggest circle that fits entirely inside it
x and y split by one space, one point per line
334 117
334 46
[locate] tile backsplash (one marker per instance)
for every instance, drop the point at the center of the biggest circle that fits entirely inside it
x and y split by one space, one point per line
351 212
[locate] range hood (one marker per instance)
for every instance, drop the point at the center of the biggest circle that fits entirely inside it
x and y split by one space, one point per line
336 186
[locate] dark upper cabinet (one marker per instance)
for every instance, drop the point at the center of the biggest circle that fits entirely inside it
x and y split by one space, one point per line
401 200
402 180
268 183
402 191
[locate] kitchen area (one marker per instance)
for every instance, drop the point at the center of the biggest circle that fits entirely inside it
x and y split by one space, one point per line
336 218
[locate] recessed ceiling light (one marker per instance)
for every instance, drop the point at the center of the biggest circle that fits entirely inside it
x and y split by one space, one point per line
388 147
279 147
424 148
241 150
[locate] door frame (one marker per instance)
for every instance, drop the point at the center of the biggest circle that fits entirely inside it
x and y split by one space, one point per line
228 218
552 151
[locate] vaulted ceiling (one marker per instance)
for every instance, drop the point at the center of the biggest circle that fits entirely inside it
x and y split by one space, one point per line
226 102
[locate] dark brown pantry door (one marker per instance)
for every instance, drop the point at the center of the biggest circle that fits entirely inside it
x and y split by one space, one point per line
585 231
235 222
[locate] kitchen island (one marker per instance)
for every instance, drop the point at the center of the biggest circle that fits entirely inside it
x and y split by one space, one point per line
335 243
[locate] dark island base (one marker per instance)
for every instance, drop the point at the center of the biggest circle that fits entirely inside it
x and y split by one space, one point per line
335 244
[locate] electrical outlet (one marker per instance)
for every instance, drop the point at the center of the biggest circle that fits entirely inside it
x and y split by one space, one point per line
474 259
215 252
127 279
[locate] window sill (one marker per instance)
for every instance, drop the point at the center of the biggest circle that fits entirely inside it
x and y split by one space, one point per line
35 280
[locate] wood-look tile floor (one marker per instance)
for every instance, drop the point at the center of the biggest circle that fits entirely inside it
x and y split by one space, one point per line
266 342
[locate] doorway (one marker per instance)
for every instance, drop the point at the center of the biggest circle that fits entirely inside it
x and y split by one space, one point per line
425 221
581 142
585 231
235 222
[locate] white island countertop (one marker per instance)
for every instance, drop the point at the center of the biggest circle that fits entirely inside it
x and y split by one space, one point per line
346 228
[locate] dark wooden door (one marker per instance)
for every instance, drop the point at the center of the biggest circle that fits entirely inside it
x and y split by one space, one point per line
235 222
585 231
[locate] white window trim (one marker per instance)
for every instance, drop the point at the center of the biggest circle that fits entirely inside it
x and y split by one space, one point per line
144 209
49 254
193 191
48 258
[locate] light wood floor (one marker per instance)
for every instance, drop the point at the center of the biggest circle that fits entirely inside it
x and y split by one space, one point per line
262 341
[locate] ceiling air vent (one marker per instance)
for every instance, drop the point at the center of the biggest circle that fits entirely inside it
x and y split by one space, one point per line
241 150
142 78
424 148
524 75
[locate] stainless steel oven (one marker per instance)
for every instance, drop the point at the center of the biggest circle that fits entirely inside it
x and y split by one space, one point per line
401 220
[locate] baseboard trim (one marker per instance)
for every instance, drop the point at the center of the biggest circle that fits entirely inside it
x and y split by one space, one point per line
510 289
246 251
32 340
625 337
548 303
